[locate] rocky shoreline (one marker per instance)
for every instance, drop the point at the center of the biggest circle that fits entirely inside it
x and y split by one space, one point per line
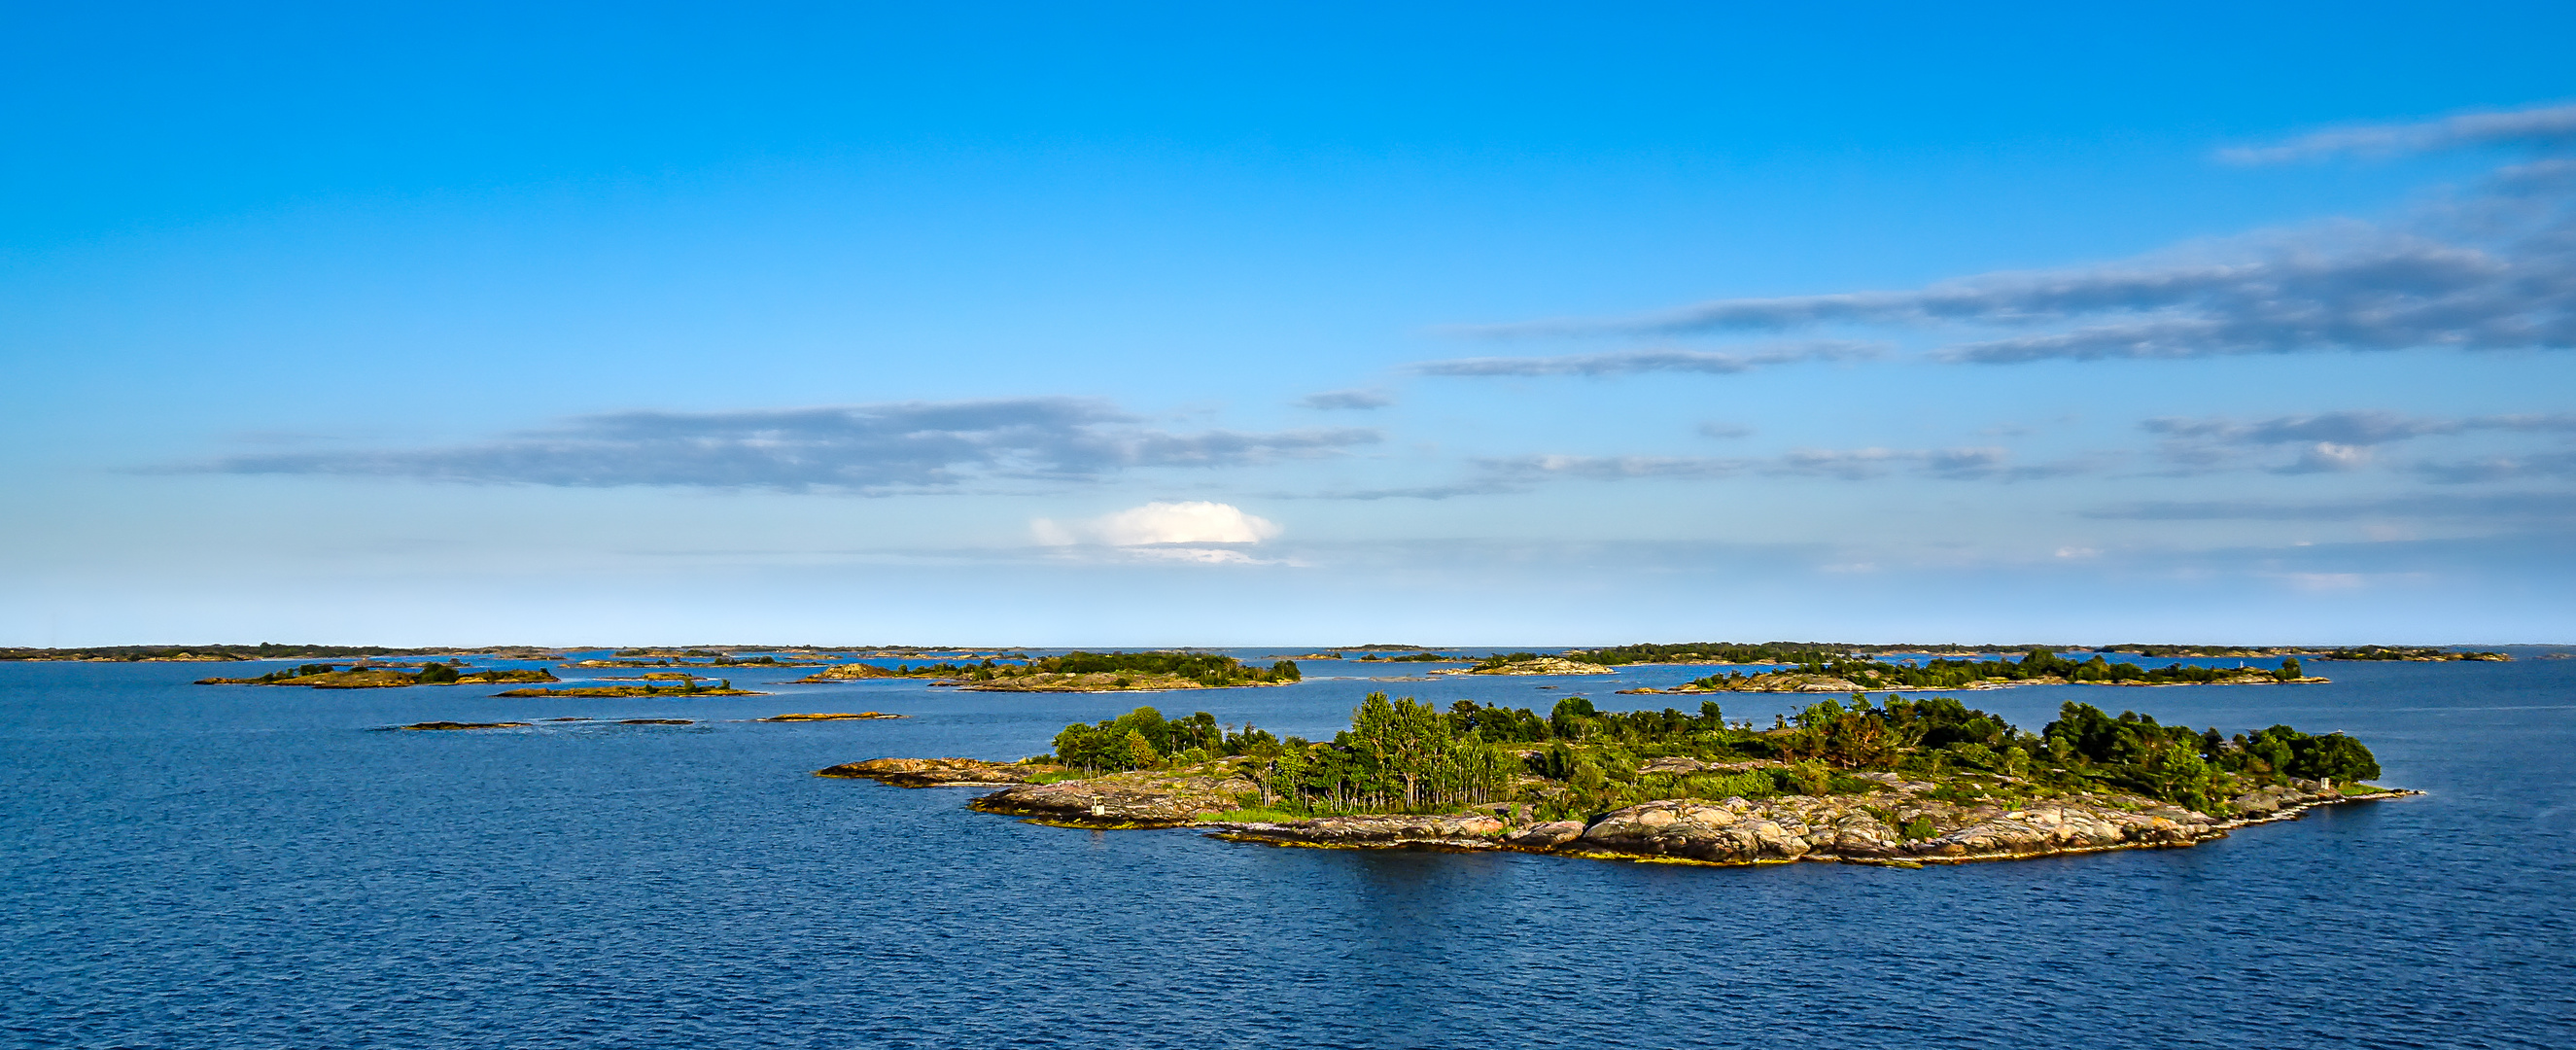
1901 823
1545 665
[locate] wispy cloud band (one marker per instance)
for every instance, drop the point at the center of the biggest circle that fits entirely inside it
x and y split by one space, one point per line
905 446
1628 362
2551 125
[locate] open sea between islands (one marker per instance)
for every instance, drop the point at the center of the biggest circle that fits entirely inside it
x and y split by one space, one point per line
194 867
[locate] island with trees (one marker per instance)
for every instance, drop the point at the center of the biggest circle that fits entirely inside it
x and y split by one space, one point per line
665 686
1897 782
1526 664
2412 655
2037 667
1083 672
366 674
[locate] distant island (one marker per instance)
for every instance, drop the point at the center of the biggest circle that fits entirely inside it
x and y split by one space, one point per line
1082 672
672 686
2038 667
369 675
1900 782
2410 655
1527 664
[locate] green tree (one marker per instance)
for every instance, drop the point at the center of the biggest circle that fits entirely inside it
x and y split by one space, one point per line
1140 751
2333 756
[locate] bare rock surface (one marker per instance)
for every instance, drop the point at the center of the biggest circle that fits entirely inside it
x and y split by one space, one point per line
937 772
465 725
1545 836
1376 832
1121 800
1897 822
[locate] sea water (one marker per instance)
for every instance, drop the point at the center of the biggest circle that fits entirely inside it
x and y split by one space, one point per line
195 866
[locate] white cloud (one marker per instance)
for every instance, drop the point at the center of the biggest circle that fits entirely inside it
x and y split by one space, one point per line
1161 524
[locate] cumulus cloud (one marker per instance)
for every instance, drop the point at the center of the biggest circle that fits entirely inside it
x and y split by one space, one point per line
2541 125
1346 399
894 447
1724 431
1190 531
1627 362
2492 268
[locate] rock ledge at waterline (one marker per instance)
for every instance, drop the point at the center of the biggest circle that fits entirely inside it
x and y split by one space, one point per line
1897 823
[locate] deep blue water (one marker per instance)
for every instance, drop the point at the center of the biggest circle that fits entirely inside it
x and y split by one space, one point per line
234 867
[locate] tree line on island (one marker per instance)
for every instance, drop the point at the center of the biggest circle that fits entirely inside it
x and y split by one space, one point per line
1406 756
2038 664
1209 670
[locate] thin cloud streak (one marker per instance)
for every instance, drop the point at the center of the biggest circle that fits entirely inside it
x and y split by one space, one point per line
2520 508
1348 400
2500 468
2352 427
2349 440
2544 125
1630 362
874 449
1862 464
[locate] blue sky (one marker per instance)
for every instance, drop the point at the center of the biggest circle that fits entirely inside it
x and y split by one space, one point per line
1299 324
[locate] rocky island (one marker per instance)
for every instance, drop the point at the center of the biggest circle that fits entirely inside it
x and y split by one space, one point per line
367 675
1082 672
1901 782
